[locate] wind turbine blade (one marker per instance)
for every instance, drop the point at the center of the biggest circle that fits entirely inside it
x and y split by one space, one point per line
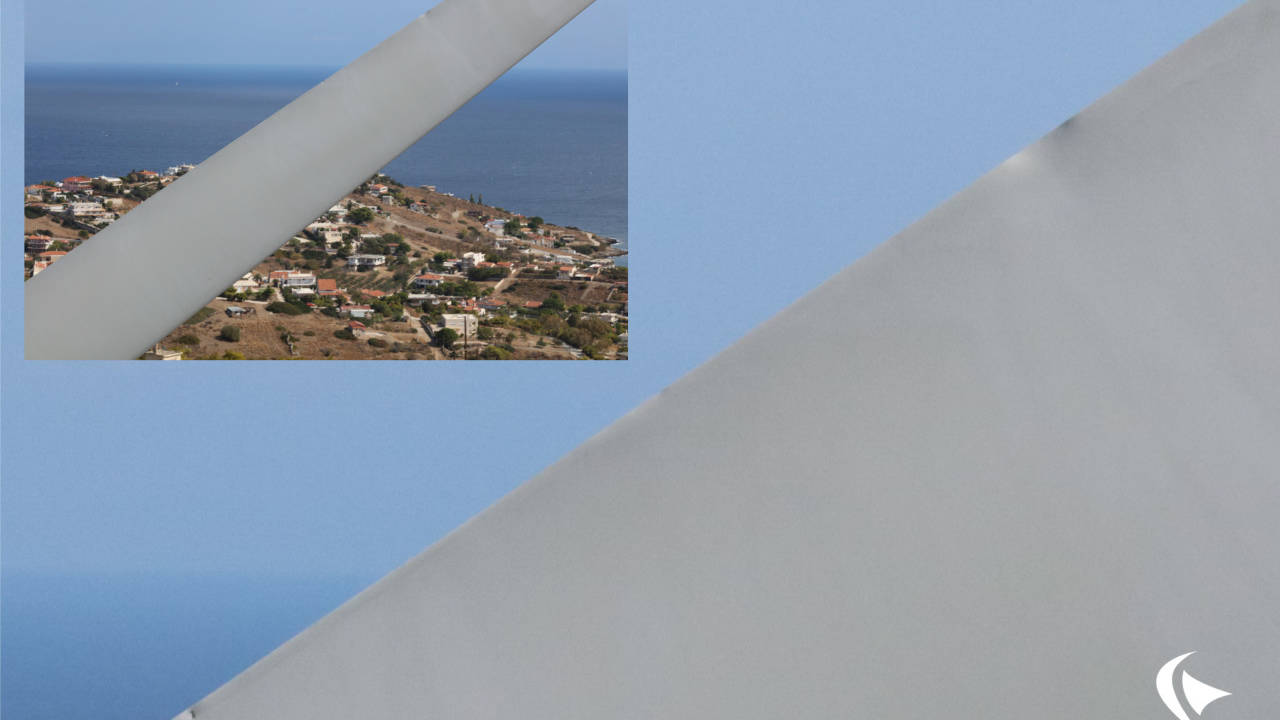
959 480
141 277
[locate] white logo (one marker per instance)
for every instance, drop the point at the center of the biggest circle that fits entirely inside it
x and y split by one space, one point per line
1184 695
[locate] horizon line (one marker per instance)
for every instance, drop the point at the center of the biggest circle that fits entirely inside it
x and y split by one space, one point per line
283 66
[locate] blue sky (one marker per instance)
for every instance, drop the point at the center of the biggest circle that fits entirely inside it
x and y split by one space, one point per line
252 32
770 147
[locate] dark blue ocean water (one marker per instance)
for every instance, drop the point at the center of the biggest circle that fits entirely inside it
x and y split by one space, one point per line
540 142
145 647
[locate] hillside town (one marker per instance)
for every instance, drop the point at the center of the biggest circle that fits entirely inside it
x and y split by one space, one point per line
388 272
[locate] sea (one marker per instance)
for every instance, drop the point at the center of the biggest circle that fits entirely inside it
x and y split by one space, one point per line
551 143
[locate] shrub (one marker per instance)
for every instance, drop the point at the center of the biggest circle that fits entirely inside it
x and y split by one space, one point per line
188 339
495 353
230 333
344 334
201 315
284 308
487 273
229 355
378 342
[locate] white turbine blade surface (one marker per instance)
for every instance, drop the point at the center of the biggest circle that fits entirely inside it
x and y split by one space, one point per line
1006 466
141 277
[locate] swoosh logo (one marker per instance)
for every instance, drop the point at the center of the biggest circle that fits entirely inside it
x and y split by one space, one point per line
1185 696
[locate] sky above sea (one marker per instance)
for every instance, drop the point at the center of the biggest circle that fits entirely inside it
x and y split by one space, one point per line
544 142
279 32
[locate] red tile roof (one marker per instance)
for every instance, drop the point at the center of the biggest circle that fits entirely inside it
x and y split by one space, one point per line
326 285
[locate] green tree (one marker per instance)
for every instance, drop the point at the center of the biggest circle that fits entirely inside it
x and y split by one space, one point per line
360 215
447 338
230 333
553 302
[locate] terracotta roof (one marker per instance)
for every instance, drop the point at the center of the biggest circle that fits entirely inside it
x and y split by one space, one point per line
327 285
533 304
356 325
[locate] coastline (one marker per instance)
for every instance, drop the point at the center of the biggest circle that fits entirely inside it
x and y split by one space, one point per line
537 141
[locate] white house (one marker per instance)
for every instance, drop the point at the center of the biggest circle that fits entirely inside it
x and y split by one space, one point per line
428 280
320 227
364 262
472 259
38 243
299 280
158 353
357 311
292 279
462 323
85 210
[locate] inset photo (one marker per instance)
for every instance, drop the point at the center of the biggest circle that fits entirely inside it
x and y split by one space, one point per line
500 235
